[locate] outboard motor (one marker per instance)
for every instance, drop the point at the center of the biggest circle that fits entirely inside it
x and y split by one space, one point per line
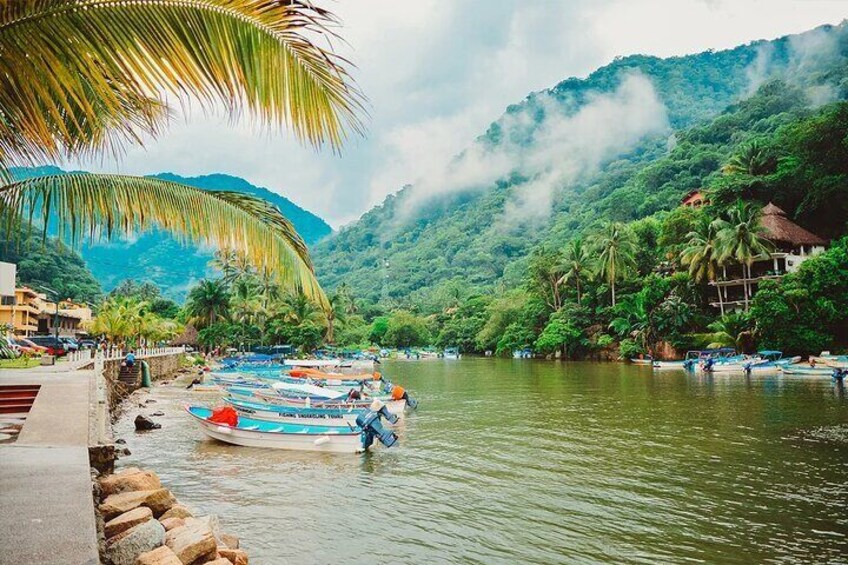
399 393
689 364
372 425
708 364
747 369
839 374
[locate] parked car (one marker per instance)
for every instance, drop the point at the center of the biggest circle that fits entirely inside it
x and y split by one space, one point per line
54 346
25 347
88 344
22 341
70 343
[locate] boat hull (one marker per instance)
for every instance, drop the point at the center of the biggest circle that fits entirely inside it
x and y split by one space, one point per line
291 415
396 407
329 442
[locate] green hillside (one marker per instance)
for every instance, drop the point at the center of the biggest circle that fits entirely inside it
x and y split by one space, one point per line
408 248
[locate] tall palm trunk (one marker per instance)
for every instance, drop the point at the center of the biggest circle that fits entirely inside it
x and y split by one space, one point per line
578 290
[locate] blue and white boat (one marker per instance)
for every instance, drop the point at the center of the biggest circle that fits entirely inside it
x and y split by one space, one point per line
295 414
251 432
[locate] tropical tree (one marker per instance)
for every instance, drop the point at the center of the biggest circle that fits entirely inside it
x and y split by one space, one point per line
575 265
701 253
246 301
731 330
739 237
752 159
207 303
615 246
335 311
80 77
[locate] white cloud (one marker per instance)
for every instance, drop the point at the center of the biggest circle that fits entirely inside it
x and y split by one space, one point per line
564 147
437 73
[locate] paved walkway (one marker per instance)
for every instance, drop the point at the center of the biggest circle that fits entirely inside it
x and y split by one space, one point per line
46 507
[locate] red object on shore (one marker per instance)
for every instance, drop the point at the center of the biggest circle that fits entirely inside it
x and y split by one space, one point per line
224 415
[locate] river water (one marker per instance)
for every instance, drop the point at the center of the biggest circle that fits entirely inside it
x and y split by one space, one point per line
517 461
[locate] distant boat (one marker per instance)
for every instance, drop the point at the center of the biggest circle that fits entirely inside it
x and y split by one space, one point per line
645 361
451 353
807 371
525 353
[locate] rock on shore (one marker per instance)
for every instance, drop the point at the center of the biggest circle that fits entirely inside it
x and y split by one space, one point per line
143 524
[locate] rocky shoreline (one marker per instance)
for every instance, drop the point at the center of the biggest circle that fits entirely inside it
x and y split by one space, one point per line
140 522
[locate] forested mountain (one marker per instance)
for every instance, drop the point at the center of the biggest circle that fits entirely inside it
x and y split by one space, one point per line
626 142
157 257
50 264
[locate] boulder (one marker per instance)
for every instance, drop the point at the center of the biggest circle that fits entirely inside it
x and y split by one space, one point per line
126 547
143 423
234 556
116 504
127 520
159 556
171 523
158 500
192 542
230 540
177 511
130 479
219 561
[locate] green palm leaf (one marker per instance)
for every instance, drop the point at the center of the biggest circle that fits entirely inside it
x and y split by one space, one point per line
105 205
84 75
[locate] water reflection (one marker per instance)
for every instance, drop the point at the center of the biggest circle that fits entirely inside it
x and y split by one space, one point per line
538 462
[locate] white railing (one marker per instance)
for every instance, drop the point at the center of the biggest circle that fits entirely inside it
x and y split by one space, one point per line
114 353
77 356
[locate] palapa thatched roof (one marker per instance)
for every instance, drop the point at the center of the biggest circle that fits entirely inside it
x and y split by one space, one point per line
188 337
781 229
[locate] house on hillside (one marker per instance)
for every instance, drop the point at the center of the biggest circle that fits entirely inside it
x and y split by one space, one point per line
694 199
792 246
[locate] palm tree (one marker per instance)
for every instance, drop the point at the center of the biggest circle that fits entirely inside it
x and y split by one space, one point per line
731 330
207 303
224 261
80 77
740 238
701 254
335 312
752 159
616 248
246 301
575 264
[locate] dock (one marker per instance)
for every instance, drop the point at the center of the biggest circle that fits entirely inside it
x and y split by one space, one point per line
47 509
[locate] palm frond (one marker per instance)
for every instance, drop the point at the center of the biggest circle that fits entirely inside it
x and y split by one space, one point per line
71 71
97 206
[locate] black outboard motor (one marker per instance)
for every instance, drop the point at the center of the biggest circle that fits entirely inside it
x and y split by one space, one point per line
839 374
372 425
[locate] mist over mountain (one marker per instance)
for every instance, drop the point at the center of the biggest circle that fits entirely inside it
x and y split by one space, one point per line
157 257
614 145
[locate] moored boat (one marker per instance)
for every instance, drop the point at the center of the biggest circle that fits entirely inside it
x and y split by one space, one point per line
295 415
251 432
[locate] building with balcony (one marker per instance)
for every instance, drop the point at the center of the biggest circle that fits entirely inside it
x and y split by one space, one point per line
66 320
20 312
792 245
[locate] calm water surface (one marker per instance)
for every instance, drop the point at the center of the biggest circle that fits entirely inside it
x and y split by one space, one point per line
538 462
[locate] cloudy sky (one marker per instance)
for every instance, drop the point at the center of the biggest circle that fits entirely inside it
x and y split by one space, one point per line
437 73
